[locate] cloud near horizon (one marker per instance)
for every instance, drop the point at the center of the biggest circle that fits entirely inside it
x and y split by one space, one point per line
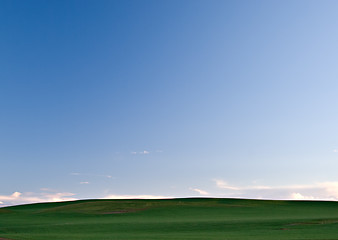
200 191
316 191
112 196
29 197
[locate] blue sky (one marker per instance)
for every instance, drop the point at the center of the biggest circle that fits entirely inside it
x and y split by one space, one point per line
108 99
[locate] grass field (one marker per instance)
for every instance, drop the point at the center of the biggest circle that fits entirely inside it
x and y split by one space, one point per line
192 218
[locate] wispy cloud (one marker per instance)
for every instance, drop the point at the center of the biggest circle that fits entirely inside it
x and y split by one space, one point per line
48 190
84 182
141 153
298 196
201 192
90 175
112 196
29 197
224 185
316 191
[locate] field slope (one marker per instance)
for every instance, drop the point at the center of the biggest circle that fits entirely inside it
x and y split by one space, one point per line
191 218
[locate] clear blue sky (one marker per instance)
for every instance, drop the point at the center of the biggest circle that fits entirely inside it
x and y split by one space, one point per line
168 98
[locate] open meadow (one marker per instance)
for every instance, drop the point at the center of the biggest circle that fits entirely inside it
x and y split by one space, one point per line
190 218
168 119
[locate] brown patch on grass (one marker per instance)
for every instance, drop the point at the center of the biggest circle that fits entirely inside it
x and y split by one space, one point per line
318 222
124 211
115 212
299 223
2 210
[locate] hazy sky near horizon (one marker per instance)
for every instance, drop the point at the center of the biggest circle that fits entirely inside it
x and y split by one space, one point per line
104 99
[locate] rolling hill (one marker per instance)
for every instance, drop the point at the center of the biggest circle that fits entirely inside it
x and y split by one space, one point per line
188 218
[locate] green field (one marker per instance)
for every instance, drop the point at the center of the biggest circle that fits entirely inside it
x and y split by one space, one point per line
192 218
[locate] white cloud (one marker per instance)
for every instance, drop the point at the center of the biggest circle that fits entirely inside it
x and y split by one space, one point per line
47 189
112 196
224 185
143 152
91 175
316 191
16 194
298 196
202 192
84 182
335 150
28 197
1 202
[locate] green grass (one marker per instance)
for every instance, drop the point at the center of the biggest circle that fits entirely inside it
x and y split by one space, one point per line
224 219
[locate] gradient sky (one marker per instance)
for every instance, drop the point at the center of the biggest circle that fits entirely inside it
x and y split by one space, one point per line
108 99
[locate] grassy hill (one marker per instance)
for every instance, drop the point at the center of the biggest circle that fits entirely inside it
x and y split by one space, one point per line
192 218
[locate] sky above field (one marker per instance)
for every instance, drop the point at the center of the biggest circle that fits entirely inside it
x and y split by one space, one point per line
119 99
